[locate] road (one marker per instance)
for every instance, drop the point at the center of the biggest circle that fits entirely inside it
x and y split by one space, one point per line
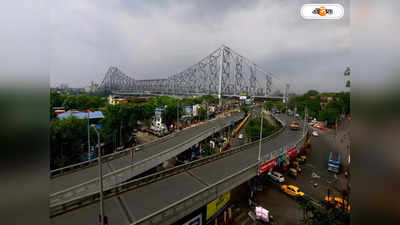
63 182
158 195
284 209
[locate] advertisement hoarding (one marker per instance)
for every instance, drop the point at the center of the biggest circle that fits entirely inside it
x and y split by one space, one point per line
291 152
266 166
214 206
189 110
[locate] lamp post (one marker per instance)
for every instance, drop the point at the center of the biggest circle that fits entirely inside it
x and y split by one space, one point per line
100 176
88 130
177 114
259 143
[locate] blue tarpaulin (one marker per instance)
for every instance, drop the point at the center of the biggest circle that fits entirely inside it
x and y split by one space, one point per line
81 115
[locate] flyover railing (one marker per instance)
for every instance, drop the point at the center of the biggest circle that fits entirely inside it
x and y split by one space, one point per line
93 162
123 174
67 201
183 207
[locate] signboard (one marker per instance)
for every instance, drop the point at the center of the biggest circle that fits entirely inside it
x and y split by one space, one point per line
189 110
217 204
198 220
266 166
196 110
158 111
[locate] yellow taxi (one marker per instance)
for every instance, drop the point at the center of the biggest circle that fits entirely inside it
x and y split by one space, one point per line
291 190
338 202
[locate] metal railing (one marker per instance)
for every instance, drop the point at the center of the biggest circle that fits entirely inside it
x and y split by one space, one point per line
93 162
60 207
183 207
123 174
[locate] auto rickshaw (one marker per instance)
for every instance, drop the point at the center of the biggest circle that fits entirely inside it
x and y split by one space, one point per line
292 172
301 159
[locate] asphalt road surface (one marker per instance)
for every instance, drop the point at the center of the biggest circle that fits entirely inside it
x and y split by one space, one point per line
63 182
143 201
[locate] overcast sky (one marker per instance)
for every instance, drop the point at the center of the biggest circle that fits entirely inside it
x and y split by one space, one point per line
155 39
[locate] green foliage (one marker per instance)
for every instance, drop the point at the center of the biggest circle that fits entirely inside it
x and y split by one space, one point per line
341 102
78 101
330 215
245 109
312 93
252 129
202 113
68 141
330 114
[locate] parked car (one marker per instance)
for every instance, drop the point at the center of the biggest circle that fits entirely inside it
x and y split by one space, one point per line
240 136
292 190
276 176
315 133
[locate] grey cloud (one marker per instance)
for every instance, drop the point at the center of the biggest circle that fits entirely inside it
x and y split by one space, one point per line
152 39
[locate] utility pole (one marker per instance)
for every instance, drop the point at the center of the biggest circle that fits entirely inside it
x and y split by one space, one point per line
88 130
177 114
120 134
259 143
100 177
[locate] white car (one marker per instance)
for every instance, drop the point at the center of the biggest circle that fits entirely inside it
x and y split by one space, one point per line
240 136
315 133
278 177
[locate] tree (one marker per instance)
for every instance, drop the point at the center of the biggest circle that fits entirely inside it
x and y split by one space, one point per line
252 129
202 113
245 109
312 93
329 114
68 141
268 105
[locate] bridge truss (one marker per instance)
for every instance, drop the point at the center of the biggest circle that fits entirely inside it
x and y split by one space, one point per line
223 72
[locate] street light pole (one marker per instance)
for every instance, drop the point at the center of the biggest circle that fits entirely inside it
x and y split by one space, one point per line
100 177
177 114
88 130
259 143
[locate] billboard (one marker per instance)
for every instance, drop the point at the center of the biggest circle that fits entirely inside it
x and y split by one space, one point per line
291 152
196 110
219 203
189 110
266 166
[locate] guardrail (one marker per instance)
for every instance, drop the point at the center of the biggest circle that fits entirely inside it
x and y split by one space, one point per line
90 198
78 166
123 174
183 207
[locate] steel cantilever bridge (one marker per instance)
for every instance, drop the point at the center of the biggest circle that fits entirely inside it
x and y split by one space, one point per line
223 72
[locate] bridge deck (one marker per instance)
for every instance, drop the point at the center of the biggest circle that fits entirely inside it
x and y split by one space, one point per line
63 182
143 201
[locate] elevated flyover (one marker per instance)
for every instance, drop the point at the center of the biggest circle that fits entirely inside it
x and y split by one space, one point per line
84 181
167 196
